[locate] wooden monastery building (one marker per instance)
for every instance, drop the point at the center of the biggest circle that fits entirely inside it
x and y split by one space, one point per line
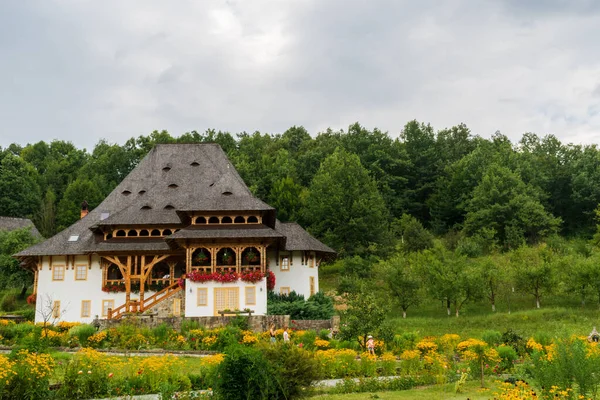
181 233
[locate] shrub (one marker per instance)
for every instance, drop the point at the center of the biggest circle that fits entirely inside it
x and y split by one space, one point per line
295 369
9 302
82 332
317 306
405 341
508 356
324 334
161 333
492 338
245 373
189 325
515 340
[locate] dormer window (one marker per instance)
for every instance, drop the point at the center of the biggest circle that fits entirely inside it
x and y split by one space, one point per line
195 164
125 192
169 207
226 193
173 186
166 169
146 207
142 192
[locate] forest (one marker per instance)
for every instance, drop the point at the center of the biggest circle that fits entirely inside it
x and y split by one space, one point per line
449 214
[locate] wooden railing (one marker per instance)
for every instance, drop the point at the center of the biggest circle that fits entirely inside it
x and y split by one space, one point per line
136 306
160 296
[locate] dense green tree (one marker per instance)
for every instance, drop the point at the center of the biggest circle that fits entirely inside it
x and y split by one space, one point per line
450 277
424 168
69 207
344 207
288 198
504 203
534 272
46 218
403 279
11 273
19 188
413 236
362 317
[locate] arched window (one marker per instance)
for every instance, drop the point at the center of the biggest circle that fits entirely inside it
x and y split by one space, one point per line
120 233
200 220
251 256
239 220
113 273
201 257
252 219
155 232
144 232
132 233
226 256
167 232
226 220
213 220
109 236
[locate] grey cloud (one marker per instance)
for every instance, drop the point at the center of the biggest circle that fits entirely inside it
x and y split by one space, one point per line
118 69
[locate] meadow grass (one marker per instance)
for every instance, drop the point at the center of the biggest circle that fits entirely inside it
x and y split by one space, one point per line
471 391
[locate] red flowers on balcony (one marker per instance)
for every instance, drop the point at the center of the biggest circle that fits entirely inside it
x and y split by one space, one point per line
225 277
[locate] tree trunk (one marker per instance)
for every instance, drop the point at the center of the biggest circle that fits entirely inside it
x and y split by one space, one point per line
403 313
537 302
493 307
482 372
448 306
456 308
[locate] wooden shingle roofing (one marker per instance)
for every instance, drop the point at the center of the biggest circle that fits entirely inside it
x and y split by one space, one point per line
169 183
11 224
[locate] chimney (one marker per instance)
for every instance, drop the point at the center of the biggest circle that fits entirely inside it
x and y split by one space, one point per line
84 209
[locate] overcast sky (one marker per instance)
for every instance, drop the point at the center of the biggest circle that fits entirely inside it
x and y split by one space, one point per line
86 70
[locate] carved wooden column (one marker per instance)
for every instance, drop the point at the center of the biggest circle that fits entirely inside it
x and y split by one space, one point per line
213 258
128 283
142 281
172 272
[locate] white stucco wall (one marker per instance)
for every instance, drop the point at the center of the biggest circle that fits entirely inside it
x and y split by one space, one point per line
191 297
71 292
297 278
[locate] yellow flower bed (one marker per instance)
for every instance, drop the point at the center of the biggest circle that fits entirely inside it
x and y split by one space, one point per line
212 360
97 338
249 338
6 370
408 355
427 346
64 326
38 366
533 345
5 322
321 344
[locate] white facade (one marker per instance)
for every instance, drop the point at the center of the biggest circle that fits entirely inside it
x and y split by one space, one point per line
294 271
300 273
200 298
71 292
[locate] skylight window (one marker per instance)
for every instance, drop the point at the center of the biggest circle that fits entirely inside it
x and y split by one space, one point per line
73 238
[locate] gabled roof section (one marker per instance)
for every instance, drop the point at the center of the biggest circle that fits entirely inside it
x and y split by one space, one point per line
11 224
172 177
298 239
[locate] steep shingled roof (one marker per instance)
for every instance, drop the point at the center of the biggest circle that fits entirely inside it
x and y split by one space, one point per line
171 177
298 239
11 223
170 181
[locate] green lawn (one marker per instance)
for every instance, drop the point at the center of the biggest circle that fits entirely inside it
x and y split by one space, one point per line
471 391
